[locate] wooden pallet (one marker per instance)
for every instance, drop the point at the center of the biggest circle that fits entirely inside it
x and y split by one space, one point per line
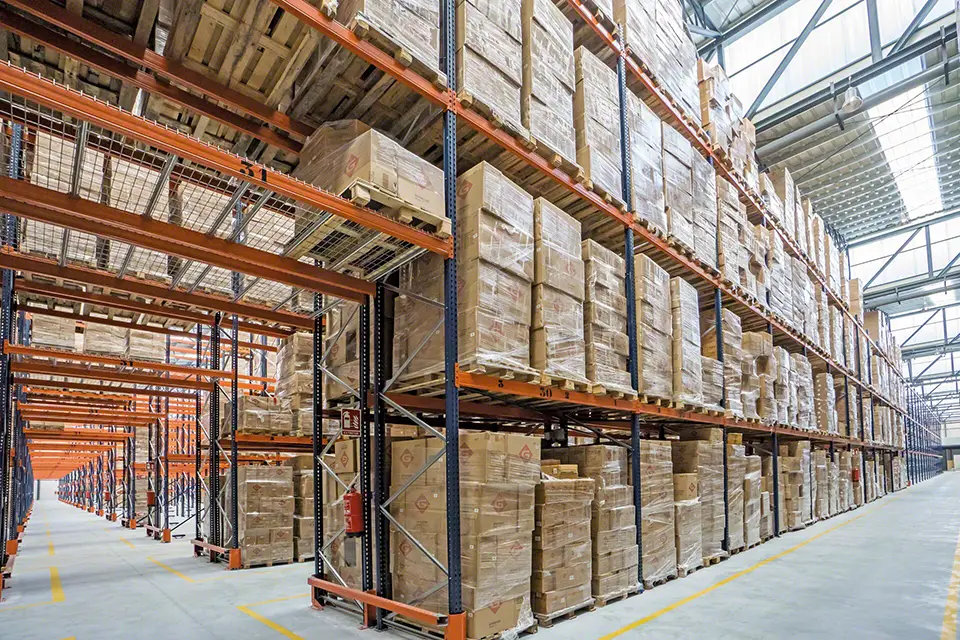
563 383
557 159
515 129
656 400
603 601
598 389
650 584
365 30
363 193
715 559
432 381
547 620
439 633
304 557
684 572
266 563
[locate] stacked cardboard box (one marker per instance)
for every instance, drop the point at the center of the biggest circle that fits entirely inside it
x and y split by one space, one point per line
605 318
716 100
816 234
686 510
824 403
856 474
498 475
705 458
495 269
105 340
343 346
856 298
687 372
712 382
803 378
304 513
490 57
832 256
258 415
141 452
414 26
562 558
596 109
780 270
785 401
759 367
658 529
646 163
732 354
53 333
736 475
549 79
556 343
804 315
615 553
145 346
833 484
848 417
704 209
654 328
796 489
295 379
845 480
820 484
752 499
785 190
731 222
266 506
678 187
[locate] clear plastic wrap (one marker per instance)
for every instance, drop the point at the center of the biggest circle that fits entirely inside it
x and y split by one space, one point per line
820 486
104 340
413 24
490 56
704 209
732 355
736 472
646 163
549 79
145 346
845 480
604 318
832 259
816 235
53 333
825 403
678 187
731 220
712 382
261 415
265 503
688 541
658 529
596 108
752 496
687 373
705 459
654 328
833 482
345 152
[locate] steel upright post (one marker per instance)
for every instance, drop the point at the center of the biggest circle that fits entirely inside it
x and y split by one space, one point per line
363 387
234 400
165 482
197 470
381 483
213 484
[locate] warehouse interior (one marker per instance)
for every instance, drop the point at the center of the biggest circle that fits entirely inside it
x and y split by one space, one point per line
468 320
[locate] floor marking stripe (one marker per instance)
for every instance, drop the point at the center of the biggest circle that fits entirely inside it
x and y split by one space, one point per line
56 586
270 623
127 542
170 569
949 629
739 574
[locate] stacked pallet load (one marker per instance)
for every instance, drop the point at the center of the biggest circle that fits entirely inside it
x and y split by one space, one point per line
780 271
711 390
820 484
265 506
495 267
816 233
499 474
141 453
295 380
347 157
753 497
257 415
759 368
833 484
104 339
736 476
848 418
658 528
825 403
145 346
803 297
704 182
678 188
732 355
832 256
722 116
413 29
549 80
304 538
596 109
615 554
785 191
343 353
704 457
844 472
802 376
856 474
646 164
562 570
785 401
731 223
50 332
795 491
687 365
605 320
654 329
557 348
686 513
766 495
856 298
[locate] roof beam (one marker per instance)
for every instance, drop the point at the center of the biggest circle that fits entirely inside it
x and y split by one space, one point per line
788 58
46 205
749 23
913 26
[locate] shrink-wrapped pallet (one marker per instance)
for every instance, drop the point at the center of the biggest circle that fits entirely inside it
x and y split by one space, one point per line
145 346
615 553
705 458
654 328
266 506
752 496
832 261
736 473
104 340
686 510
646 163
825 403
732 355
490 58
712 382
704 209
658 528
495 269
731 220
53 333
562 568
786 191
258 415
549 79
556 343
816 234
413 26
678 187
605 318
856 298
295 375
596 109
687 372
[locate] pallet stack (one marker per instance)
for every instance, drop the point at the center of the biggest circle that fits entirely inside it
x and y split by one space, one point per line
657 511
295 380
50 332
687 514
687 364
654 329
605 320
105 340
145 346
678 188
705 458
596 109
304 539
266 506
825 403
556 342
736 476
704 181
731 227
414 27
753 498
732 355
646 164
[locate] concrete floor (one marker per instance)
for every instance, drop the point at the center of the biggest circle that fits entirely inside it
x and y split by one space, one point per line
882 571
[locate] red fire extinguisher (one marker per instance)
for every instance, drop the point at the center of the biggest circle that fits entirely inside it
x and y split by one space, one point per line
856 475
353 513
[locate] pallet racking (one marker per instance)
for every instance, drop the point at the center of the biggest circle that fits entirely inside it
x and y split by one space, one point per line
462 136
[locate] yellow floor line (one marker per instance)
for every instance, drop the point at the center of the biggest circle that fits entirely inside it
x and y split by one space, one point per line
286 633
949 629
170 569
50 548
739 574
56 589
127 542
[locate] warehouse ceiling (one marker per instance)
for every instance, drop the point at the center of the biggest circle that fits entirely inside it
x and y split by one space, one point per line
860 100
